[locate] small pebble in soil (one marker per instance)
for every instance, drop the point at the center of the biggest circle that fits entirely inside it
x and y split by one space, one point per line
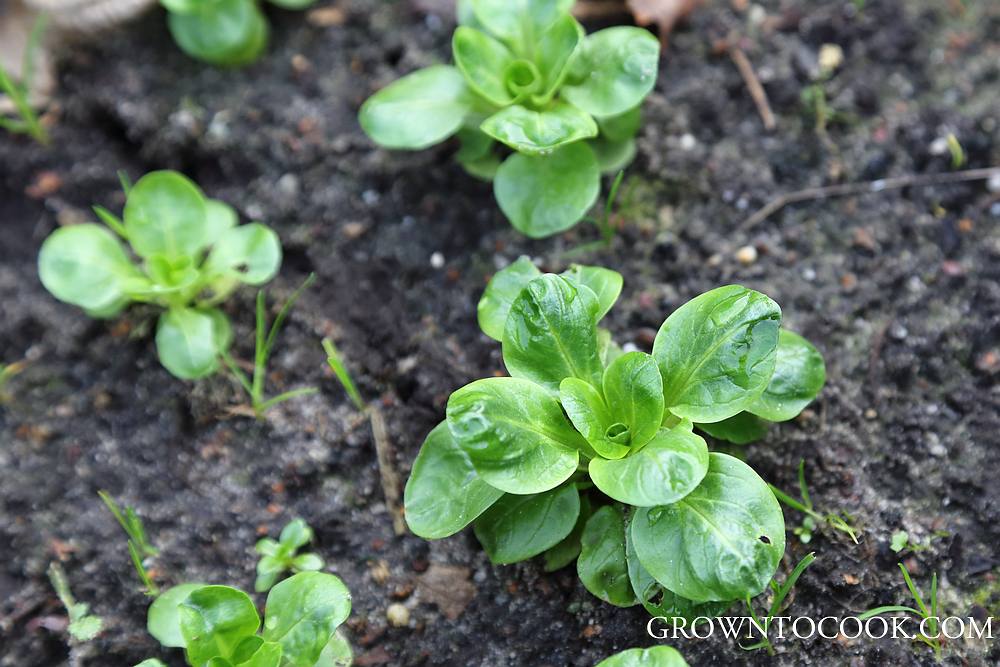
746 255
437 260
831 56
688 142
397 615
808 274
870 414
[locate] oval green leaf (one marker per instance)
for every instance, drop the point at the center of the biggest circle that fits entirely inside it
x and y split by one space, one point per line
740 429
483 60
716 353
86 266
799 374
263 654
215 620
519 21
516 528
515 434
614 72
444 493
539 132
421 109
228 33
542 196
187 342
667 469
164 618
633 390
337 653
248 253
555 51
302 614
622 127
604 283
602 566
566 551
591 416
166 214
722 541
500 293
551 333
655 656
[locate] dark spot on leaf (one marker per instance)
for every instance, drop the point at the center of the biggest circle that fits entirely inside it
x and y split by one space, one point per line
765 539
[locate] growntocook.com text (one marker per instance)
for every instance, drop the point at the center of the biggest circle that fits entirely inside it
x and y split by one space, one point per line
828 627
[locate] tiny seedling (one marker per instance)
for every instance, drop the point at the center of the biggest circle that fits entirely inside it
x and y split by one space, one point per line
901 541
264 340
228 33
336 362
957 152
540 108
813 519
590 453
83 626
900 538
139 547
929 615
192 254
656 656
278 557
27 121
7 372
780 594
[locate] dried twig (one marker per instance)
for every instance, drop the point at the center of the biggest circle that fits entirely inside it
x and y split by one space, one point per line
880 185
753 84
390 478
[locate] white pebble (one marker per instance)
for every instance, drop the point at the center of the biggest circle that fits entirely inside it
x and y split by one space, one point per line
437 260
397 615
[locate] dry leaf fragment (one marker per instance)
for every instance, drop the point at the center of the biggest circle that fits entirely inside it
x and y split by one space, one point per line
448 587
664 14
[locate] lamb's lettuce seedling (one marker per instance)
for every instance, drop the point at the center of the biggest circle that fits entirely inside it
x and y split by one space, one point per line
656 656
281 555
540 108
83 626
583 429
191 253
222 32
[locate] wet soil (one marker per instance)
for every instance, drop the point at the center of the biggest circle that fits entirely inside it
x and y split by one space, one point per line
900 290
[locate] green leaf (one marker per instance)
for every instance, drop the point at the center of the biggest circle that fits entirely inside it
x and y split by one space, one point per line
568 549
717 353
500 293
740 429
613 156
444 493
516 528
296 533
664 471
723 541
555 51
228 33
307 563
614 72
591 417
602 566
337 653
267 654
542 196
551 333
539 132
799 374
294 4
604 283
657 600
302 614
187 343
214 620
483 61
634 393
164 617
655 656
519 22
622 127
515 434
220 218
476 154
248 253
86 266
166 214
85 628
151 662
606 347
421 109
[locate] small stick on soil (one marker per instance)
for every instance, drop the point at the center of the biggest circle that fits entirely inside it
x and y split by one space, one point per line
880 185
390 478
753 84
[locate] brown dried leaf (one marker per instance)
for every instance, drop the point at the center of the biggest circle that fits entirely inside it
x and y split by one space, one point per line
664 14
448 587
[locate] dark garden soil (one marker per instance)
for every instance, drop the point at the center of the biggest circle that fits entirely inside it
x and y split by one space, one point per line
900 290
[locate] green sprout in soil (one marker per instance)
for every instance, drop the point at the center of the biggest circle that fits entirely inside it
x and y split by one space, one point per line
957 152
656 656
139 547
192 254
264 339
83 626
336 362
901 541
228 33
780 594
539 107
278 557
929 615
813 519
7 372
27 121
589 453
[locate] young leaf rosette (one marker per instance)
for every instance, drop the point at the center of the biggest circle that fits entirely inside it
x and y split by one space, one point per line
540 108
589 453
174 248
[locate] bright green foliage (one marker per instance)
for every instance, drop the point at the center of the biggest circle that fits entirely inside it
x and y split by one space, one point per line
929 614
191 255
218 626
228 33
656 656
540 108
278 557
590 453
83 626
26 120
